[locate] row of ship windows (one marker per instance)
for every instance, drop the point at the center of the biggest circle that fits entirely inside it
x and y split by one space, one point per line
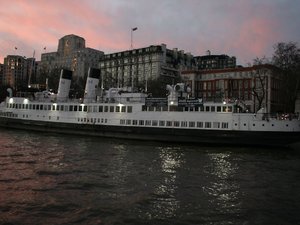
70 108
186 109
163 123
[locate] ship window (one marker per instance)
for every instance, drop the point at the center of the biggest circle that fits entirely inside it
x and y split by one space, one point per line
90 108
37 107
141 122
49 107
169 123
117 108
199 124
162 123
151 108
123 109
75 108
158 108
229 109
30 106
207 108
148 122
134 122
95 108
53 107
207 124
41 107
183 124
102 120
165 108
70 108
173 108
216 124
176 123
245 124
33 107
129 109
224 125
254 124
286 125
105 121
62 108
224 108
100 108
196 108
263 124
128 122
144 108
111 109
218 108
23 106
186 109
154 122
26 106
272 125
57 118
85 108
106 108
213 109
191 124
122 122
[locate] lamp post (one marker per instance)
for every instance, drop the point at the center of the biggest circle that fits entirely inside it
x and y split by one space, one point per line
131 43
131 47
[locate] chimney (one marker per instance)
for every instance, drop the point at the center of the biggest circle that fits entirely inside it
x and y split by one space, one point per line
64 85
91 85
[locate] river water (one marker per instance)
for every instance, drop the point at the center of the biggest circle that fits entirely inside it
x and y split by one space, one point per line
52 179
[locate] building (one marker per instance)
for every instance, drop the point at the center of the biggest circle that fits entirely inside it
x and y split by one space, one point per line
72 54
255 87
211 62
297 103
134 68
15 72
1 74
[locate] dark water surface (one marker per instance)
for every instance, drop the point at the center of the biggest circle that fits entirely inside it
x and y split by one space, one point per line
53 179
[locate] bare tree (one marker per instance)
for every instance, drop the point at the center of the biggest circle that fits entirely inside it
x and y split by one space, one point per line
259 89
287 58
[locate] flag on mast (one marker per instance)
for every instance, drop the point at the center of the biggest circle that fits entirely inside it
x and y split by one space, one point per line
135 28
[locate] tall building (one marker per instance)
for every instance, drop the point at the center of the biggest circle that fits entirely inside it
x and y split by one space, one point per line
256 86
211 62
72 54
134 68
1 74
15 72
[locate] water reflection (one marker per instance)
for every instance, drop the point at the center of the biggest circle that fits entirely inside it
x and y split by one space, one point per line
166 204
223 190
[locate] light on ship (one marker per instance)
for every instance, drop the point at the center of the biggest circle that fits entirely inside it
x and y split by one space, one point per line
25 101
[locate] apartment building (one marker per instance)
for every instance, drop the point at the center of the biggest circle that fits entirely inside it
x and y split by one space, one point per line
134 68
15 72
212 62
255 86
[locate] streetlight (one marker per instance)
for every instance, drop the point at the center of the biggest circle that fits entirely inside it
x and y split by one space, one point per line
132 29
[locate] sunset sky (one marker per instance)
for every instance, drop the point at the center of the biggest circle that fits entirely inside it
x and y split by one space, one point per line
243 28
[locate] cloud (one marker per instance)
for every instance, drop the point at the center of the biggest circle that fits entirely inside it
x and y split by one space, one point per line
246 29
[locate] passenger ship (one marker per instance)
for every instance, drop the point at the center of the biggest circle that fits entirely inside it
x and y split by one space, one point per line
119 113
